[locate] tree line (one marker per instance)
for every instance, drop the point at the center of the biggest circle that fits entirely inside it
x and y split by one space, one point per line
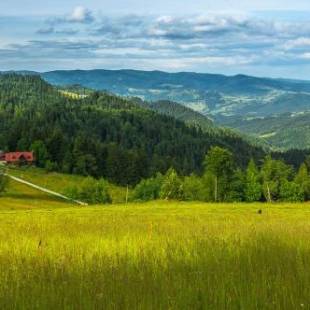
223 181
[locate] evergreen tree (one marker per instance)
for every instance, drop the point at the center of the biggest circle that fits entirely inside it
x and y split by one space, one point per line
302 179
219 163
274 173
86 165
40 153
236 191
253 188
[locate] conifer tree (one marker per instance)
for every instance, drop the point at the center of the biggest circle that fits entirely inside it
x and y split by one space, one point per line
219 163
274 173
302 179
236 190
253 188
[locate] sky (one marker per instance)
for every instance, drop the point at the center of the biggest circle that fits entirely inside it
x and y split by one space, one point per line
257 37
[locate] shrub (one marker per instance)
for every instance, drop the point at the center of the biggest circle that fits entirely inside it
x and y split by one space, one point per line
91 191
291 191
148 189
194 189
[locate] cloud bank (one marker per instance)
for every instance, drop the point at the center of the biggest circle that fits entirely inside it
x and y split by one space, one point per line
211 42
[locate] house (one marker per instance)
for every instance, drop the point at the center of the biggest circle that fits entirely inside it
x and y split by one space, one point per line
17 157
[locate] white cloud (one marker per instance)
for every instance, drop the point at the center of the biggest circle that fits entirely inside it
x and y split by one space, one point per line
165 19
305 56
298 43
80 15
191 42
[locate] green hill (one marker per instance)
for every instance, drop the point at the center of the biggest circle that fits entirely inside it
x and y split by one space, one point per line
180 112
217 96
102 134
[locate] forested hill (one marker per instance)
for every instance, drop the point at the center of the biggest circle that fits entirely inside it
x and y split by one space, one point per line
179 112
102 134
241 102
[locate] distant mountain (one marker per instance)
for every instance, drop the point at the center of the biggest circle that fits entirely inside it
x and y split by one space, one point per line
286 131
230 100
210 94
20 72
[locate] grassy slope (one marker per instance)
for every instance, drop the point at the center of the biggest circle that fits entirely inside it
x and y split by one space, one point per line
158 255
19 196
57 182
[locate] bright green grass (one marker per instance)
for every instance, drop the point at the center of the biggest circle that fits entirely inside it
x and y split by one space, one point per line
158 255
59 182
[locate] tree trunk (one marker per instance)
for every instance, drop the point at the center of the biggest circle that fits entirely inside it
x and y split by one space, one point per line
215 189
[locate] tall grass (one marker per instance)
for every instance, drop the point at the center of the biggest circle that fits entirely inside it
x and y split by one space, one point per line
156 256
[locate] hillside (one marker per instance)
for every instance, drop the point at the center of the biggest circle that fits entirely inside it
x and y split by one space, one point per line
102 134
228 99
180 112
285 131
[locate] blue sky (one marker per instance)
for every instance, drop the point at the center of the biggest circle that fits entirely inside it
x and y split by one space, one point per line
264 38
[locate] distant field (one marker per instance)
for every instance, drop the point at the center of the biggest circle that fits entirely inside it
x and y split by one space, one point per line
160 255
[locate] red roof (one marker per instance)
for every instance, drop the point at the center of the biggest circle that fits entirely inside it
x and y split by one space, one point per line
18 156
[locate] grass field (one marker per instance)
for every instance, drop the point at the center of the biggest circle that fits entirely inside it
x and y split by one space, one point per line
160 255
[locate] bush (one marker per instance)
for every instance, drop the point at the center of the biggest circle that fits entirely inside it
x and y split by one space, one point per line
91 191
194 189
148 189
291 191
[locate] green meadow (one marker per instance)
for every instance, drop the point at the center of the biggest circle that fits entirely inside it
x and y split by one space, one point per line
158 255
